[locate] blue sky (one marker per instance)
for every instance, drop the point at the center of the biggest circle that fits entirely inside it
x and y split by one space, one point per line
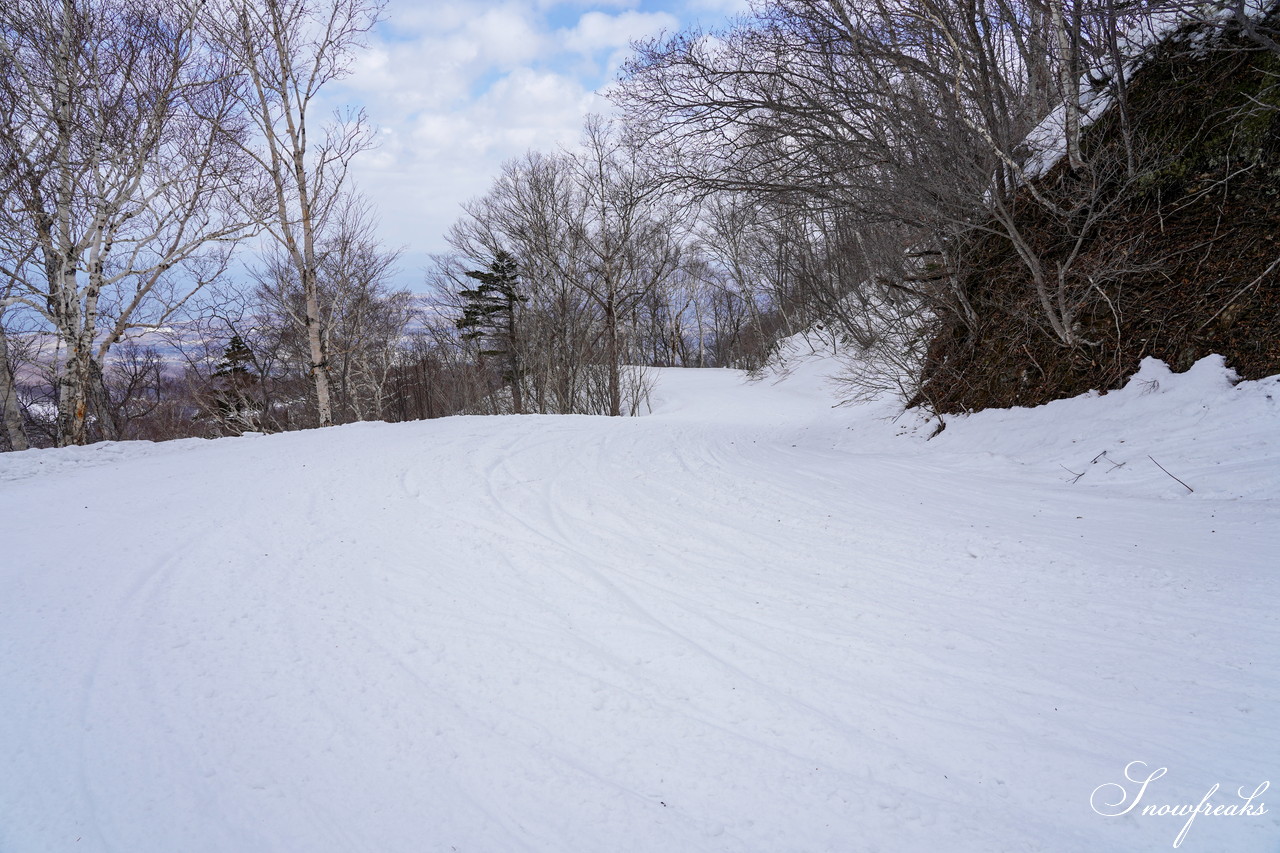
457 87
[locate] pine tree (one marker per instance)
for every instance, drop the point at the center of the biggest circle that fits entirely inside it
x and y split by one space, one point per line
233 377
490 317
237 359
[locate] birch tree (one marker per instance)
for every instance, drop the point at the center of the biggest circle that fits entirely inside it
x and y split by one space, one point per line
360 319
289 51
117 176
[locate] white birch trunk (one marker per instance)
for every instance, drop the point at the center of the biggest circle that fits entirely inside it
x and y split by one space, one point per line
1068 75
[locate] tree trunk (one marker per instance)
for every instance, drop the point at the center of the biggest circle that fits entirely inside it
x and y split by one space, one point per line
1069 76
1037 57
315 345
73 401
10 411
513 343
615 369
108 429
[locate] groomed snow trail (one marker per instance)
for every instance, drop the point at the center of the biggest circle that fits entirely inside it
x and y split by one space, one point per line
747 622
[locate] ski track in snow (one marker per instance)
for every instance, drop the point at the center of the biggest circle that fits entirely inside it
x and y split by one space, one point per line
747 622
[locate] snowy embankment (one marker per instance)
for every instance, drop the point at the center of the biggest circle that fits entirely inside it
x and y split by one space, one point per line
747 622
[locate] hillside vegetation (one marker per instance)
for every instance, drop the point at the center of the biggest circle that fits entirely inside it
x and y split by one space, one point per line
1170 240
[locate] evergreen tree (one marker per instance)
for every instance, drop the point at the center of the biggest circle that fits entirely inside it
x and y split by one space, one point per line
490 316
233 377
237 359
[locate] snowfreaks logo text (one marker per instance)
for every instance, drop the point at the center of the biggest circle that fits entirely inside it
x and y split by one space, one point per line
1114 799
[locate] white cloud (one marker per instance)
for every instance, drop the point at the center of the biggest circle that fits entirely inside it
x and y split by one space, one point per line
547 5
504 38
720 7
598 31
457 87
427 167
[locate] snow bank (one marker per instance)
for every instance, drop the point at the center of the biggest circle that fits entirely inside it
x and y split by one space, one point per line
38 462
1219 436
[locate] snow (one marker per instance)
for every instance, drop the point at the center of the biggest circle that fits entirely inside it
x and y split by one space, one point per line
750 621
1046 144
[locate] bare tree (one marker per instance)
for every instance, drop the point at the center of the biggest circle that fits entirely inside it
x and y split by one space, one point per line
594 236
289 51
117 126
132 385
268 375
364 318
857 132
626 231
359 320
524 215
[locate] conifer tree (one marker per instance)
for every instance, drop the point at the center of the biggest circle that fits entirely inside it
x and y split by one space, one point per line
233 377
490 316
237 359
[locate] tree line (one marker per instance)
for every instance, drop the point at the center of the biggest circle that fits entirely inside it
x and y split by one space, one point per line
971 196
851 167
141 143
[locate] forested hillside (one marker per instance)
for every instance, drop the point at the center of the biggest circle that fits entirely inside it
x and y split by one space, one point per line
1164 243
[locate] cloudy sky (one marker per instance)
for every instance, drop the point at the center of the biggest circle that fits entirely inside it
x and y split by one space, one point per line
458 86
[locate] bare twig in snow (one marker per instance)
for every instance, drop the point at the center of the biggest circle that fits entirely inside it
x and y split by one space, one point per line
1166 470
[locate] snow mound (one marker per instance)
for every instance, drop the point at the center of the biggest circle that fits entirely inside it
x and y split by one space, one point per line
39 462
1220 436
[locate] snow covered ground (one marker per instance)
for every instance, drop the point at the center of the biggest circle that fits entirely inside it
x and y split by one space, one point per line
747 622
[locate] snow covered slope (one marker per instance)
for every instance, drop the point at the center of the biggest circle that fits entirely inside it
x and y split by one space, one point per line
750 621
